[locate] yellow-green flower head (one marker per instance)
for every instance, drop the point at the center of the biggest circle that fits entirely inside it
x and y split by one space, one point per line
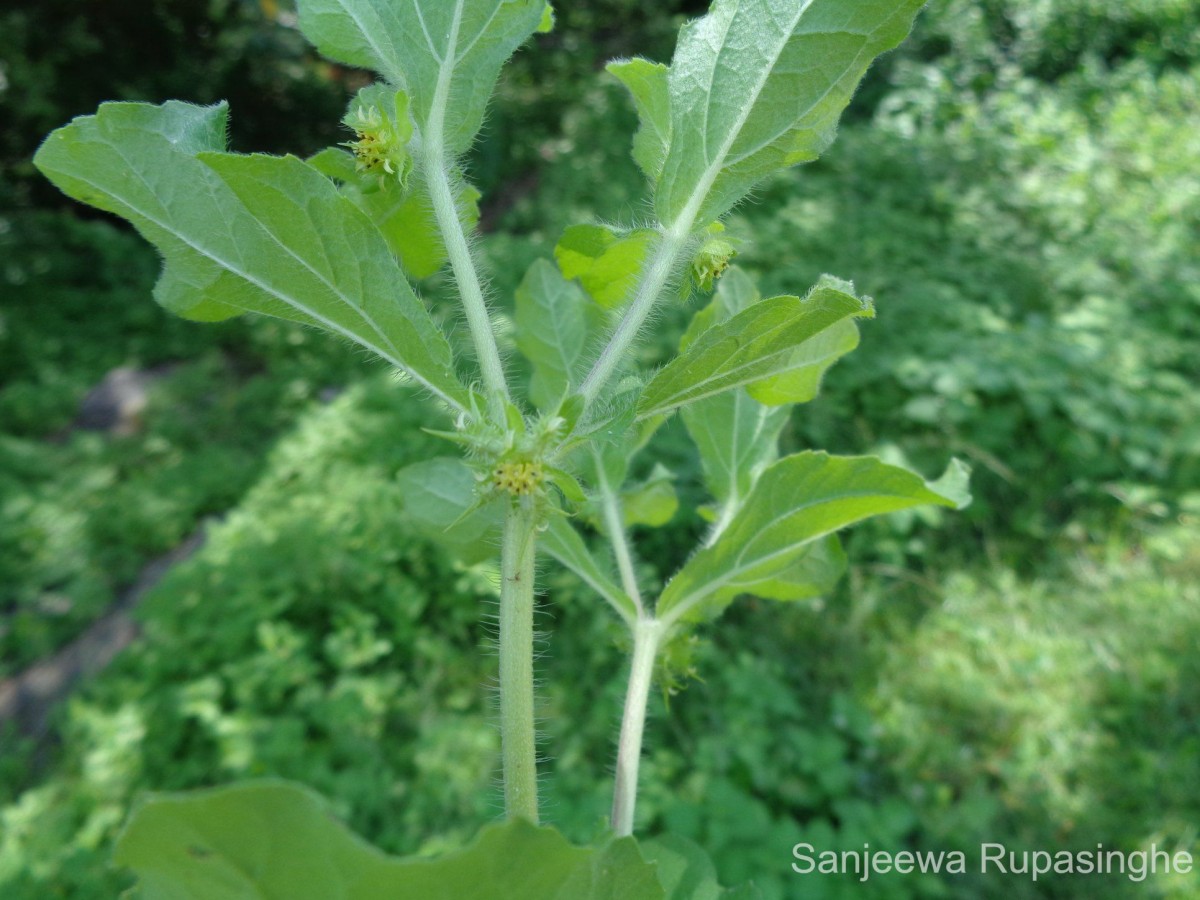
713 257
379 118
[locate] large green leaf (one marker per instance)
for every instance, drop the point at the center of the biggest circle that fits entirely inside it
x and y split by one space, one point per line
446 54
259 234
778 349
759 85
606 262
798 500
277 840
552 331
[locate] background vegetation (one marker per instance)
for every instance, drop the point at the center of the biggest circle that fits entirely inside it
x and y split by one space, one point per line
1018 187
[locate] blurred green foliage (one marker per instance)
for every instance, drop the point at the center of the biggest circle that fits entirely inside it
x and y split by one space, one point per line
1019 190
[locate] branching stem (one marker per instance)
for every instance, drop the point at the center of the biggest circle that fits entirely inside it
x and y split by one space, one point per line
647 635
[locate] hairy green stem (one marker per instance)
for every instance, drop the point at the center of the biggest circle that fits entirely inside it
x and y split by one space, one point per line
517 734
656 277
615 526
647 635
445 209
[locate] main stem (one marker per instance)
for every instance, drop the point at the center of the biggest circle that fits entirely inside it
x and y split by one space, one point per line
517 733
646 637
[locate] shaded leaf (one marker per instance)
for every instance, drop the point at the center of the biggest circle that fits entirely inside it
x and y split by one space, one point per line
552 332
686 872
273 839
561 541
440 498
653 502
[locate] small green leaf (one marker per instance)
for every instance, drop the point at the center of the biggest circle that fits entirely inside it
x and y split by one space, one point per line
737 438
552 332
446 54
547 23
441 498
798 500
606 262
777 348
647 82
736 293
561 541
653 502
259 234
273 839
759 85
403 215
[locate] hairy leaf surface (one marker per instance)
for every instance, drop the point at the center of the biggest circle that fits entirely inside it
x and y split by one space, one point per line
552 331
756 86
798 500
446 54
269 235
778 348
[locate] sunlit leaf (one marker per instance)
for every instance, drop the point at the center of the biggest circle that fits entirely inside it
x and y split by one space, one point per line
777 348
759 85
606 262
446 54
260 234
798 500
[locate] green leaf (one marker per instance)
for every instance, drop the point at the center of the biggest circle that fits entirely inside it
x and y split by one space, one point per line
653 502
606 262
552 331
441 499
403 215
547 23
561 541
737 438
446 54
777 348
798 500
258 234
273 839
759 85
736 293
686 872
647 82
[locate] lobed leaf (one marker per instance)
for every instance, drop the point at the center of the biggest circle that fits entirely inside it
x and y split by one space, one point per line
778 349
737 437
268 235
799 500
756 86
272 839
446 54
